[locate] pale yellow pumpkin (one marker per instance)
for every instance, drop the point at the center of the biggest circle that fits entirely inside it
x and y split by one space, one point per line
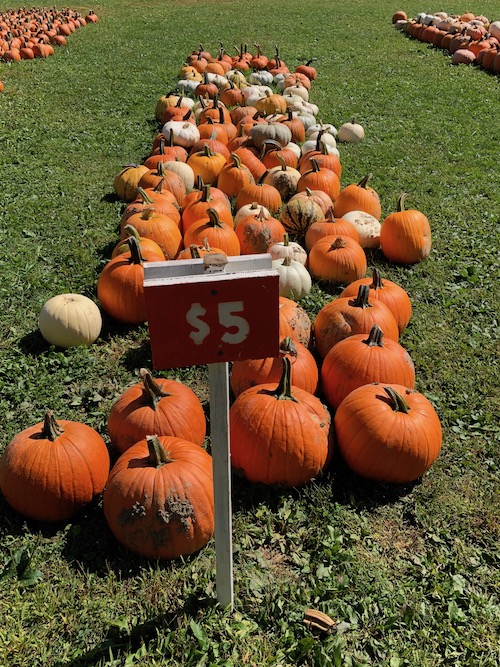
69 320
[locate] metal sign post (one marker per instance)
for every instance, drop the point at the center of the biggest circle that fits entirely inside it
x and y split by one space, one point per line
212 311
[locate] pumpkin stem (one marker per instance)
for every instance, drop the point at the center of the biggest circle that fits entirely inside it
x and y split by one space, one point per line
132 231
195 254
135 250
398 402
314 164
375 337
364 181
157 455
376 280
51 429
338 244
401 202
146 199
319 142
198 185
308 63
361 301
283 391
214 218
205 197
329 215
154 393
287 261
287 346
286 239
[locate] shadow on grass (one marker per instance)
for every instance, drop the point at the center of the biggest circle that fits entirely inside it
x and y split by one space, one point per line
122 641
34 343
110 198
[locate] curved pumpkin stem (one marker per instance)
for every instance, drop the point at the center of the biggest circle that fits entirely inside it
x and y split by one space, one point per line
214 218
398 402
51 429
287 346
337 245
401 202
195 253
361 300
135 250
154 393
364 181
145 198
375 337
283 391
157 455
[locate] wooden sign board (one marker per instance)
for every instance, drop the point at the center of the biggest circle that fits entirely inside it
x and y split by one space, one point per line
200 317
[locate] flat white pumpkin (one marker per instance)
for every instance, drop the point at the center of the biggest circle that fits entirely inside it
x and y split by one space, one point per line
287 248
368 228
351 132
294 279
69 320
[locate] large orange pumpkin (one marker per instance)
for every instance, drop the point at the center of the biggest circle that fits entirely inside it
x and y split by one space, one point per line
358 197
161 406
50 471
388 432
362 359
405 236
159 498
279 434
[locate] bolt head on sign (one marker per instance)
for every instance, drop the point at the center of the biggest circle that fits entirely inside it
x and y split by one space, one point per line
212 317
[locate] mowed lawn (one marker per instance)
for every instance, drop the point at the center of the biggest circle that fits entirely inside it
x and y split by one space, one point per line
409 573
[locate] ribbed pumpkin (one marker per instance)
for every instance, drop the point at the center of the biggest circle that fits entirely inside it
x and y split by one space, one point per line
127 180
362 359
287 248
160 228
120 288
51 470
234 176
405 236
294 322
391 294
337 259
257 233
358 197
250 160
388 433
345 317
329 226
265 195
159 498
320 178
298 215
284 178
251 372
164 203
279 434
167 179
219 233
198 209
161 406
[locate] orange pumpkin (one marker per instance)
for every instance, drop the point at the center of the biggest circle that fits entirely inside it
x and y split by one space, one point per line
358 197
405 236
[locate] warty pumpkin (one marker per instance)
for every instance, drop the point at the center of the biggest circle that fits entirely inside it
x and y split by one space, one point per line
159 498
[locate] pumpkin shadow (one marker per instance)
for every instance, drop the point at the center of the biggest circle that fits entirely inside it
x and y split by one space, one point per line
34 344
138 357
110 198
122 640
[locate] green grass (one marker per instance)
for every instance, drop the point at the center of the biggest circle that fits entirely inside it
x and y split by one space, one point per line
410 573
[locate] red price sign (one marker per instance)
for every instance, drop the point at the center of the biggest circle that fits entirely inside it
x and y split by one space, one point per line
212 318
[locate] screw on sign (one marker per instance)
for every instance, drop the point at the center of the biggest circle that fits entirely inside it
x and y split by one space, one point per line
211 311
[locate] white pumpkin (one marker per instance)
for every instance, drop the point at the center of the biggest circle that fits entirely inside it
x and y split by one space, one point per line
301 91
261 78
251 209
311 108
351 132
252 94
185 134
326 127
310 145
287 248
183 170
306 118
368 228
294 279
495 29
69 320
279 79
295 148
187 86
284 179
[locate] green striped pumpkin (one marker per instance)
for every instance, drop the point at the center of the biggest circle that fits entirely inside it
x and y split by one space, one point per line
298 215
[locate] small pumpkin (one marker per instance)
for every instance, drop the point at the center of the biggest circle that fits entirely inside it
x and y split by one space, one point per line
69 320
287 248
405 236
337 259
127 180
358 197
294 279
351 132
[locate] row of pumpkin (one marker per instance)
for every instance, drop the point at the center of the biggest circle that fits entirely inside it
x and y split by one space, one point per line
29 33
158 499
468 38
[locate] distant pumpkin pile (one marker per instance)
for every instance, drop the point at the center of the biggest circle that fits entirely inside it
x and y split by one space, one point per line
32 33
469 39
244 168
